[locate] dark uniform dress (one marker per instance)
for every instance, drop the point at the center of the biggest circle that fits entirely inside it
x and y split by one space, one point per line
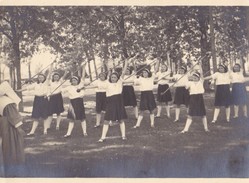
147 98
223 95
12 140
115 110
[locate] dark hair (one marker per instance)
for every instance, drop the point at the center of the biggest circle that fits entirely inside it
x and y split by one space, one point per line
184 68
236 65
75 77
148 71
197 74
103 73
165 66
56 73
129 69
38 82
114 73
224 67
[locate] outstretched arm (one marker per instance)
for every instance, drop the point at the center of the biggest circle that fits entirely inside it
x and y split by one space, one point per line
157 66
83 65
125 68
50 73
64 75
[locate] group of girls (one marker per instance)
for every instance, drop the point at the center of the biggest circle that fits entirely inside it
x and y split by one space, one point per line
115 91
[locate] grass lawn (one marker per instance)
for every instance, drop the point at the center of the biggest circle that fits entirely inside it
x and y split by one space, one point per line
161 152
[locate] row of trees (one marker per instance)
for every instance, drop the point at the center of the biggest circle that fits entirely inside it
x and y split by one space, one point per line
78 33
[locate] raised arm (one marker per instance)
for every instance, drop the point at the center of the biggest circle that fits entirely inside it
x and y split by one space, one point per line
157 66
50 73
83 65
63 78
125 68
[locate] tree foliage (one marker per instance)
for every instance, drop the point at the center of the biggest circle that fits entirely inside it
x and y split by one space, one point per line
115 33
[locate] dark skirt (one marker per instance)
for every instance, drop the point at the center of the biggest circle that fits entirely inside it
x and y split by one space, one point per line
55 104
76 110
129 96
196 105
181 96
239 94
12 141
147 101
115 109
40 107
166 97
100 101
222 95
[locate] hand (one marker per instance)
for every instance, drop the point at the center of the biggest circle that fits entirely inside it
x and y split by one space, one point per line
78 90
83 63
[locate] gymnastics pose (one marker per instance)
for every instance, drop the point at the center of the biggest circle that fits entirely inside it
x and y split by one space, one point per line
40 110
181 93
239 93
76 111
222 93
101 85
128 92
163 78
115 110
147 100
196 101
55 99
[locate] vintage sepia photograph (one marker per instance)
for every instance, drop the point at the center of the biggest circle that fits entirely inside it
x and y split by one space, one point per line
124 91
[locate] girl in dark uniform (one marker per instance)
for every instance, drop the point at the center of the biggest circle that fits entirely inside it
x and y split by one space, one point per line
163 79
196 101
76 111
222 93
181 93
55 98
129 96
115 110
239 93
40 110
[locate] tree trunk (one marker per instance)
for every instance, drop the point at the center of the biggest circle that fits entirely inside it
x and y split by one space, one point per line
105 55
29 68
122 33
18 71
11 76
212 38
0 73
203 24
247 24
89 66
